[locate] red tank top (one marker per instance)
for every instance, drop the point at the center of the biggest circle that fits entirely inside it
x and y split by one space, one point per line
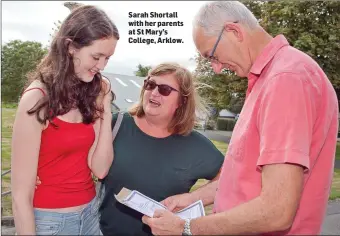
66 179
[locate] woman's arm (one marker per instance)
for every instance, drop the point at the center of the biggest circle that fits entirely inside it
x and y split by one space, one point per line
24 162
101 153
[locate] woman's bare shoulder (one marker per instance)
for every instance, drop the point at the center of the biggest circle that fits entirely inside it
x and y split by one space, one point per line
31 95
36 85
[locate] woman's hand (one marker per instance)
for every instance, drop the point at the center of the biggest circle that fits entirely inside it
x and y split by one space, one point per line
107 96
107 102
101 153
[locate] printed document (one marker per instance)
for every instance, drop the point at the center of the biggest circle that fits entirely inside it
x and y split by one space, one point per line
147 206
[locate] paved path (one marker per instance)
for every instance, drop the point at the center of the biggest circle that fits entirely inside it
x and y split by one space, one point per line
5 230
217 136
337 164
331 225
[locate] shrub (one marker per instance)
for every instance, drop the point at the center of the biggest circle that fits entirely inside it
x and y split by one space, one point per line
210 125
225 124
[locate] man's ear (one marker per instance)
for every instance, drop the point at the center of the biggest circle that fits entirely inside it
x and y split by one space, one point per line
235 29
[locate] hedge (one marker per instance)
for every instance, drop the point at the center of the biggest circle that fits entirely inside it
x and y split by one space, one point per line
225 124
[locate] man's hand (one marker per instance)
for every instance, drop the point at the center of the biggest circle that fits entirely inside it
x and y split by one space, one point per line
178 202
164 223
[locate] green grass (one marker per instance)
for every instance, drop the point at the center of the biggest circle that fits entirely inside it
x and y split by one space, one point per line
9 105
8 114
335 191
220 146
337 154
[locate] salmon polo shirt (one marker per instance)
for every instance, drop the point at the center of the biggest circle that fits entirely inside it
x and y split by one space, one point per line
290 116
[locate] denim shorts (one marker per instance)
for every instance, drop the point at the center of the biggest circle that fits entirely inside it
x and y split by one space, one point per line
83 222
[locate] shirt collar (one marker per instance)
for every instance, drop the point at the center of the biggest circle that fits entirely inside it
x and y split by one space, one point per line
268 53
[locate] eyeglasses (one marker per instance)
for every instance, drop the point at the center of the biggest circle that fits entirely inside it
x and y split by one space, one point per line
163 89
211 58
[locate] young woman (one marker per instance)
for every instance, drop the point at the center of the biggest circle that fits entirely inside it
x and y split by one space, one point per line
62 130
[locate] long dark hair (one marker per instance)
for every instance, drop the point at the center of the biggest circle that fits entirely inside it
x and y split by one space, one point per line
65 91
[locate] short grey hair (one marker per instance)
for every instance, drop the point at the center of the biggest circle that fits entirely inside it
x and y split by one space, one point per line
212 16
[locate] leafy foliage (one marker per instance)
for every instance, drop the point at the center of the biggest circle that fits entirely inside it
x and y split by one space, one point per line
17 59
142 71
310 26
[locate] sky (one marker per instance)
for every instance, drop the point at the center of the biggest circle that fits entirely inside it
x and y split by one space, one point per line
34 20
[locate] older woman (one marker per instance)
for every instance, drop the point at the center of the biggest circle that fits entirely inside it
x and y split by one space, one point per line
156 150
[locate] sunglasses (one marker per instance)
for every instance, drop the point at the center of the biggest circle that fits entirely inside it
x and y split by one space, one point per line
163 89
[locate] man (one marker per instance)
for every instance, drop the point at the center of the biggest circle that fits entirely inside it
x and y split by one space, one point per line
278 170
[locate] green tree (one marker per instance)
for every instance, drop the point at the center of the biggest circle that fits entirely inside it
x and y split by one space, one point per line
310 26
142 71
17 59
225 90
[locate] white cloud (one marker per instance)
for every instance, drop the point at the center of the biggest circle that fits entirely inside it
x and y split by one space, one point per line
34 21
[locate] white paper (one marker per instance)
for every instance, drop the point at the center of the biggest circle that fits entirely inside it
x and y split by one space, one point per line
193 211
147 206
138 202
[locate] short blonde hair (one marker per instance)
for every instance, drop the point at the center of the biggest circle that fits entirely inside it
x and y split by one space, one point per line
184 118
